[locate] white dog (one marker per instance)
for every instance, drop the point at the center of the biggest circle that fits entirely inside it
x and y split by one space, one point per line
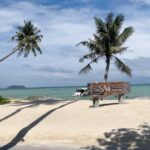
77 94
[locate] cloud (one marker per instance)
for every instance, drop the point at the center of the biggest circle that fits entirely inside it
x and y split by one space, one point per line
27 66
140 66
55 70
147 2
63 28
85 1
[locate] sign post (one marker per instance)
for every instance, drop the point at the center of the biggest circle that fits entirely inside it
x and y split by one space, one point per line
99 90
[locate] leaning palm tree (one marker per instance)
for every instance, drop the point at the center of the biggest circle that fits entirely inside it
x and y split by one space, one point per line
107 43
27 38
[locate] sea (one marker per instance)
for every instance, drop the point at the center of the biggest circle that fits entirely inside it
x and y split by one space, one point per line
137 91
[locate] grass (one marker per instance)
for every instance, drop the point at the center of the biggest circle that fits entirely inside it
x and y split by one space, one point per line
4 100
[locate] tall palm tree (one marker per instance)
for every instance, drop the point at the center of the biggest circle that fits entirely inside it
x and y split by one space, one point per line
107 43
27 38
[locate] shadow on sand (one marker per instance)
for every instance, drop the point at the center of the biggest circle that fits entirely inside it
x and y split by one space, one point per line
21 134
108 104
124 139
30 104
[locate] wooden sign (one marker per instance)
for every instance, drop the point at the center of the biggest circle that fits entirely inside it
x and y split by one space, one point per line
108 88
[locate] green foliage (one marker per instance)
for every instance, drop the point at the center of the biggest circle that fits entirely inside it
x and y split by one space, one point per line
4 100
27 38
107 42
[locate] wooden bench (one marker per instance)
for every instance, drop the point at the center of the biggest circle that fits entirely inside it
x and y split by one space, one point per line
99 90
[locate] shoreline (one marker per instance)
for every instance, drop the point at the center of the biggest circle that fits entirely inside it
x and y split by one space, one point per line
140 91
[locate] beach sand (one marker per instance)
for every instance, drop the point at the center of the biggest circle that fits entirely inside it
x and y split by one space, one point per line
75 123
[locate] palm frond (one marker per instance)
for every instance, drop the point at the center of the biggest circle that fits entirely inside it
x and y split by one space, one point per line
100 26
118 49
34 51
109 19
122 67
84 43
36 47
88 56
127 32
118 22
27 38
20 52
26 53
89 44
88 67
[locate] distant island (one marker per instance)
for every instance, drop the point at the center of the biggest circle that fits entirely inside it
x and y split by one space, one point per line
16 87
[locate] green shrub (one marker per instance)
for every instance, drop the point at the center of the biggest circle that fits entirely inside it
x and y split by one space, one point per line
4 100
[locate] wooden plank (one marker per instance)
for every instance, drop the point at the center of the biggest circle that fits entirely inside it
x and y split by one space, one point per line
108 88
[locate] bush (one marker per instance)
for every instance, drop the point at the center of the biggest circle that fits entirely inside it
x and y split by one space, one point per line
4 100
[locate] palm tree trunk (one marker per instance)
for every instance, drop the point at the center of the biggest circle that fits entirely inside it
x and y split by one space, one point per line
107 68
14 50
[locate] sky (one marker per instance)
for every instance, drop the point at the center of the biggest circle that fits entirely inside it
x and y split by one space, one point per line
64 23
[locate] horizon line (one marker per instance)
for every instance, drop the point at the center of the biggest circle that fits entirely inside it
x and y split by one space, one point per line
38 87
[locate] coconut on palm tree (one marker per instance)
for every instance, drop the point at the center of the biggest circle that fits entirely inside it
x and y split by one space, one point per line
27 38
107 42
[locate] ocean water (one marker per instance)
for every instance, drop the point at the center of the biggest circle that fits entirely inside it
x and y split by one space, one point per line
67 92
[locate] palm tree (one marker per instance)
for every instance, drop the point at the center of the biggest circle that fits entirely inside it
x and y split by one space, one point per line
107 43
27 38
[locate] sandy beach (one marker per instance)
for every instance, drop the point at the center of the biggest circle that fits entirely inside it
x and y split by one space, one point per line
73 122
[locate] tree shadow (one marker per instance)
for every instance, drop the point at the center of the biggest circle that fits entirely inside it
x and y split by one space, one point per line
21 134
16 111
38 102
30 104
124 139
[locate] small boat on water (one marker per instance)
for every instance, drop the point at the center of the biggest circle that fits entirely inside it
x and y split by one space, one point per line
81 92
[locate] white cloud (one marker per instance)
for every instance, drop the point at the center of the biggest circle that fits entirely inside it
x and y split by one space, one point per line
141 1
62 29
139 18
82 1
